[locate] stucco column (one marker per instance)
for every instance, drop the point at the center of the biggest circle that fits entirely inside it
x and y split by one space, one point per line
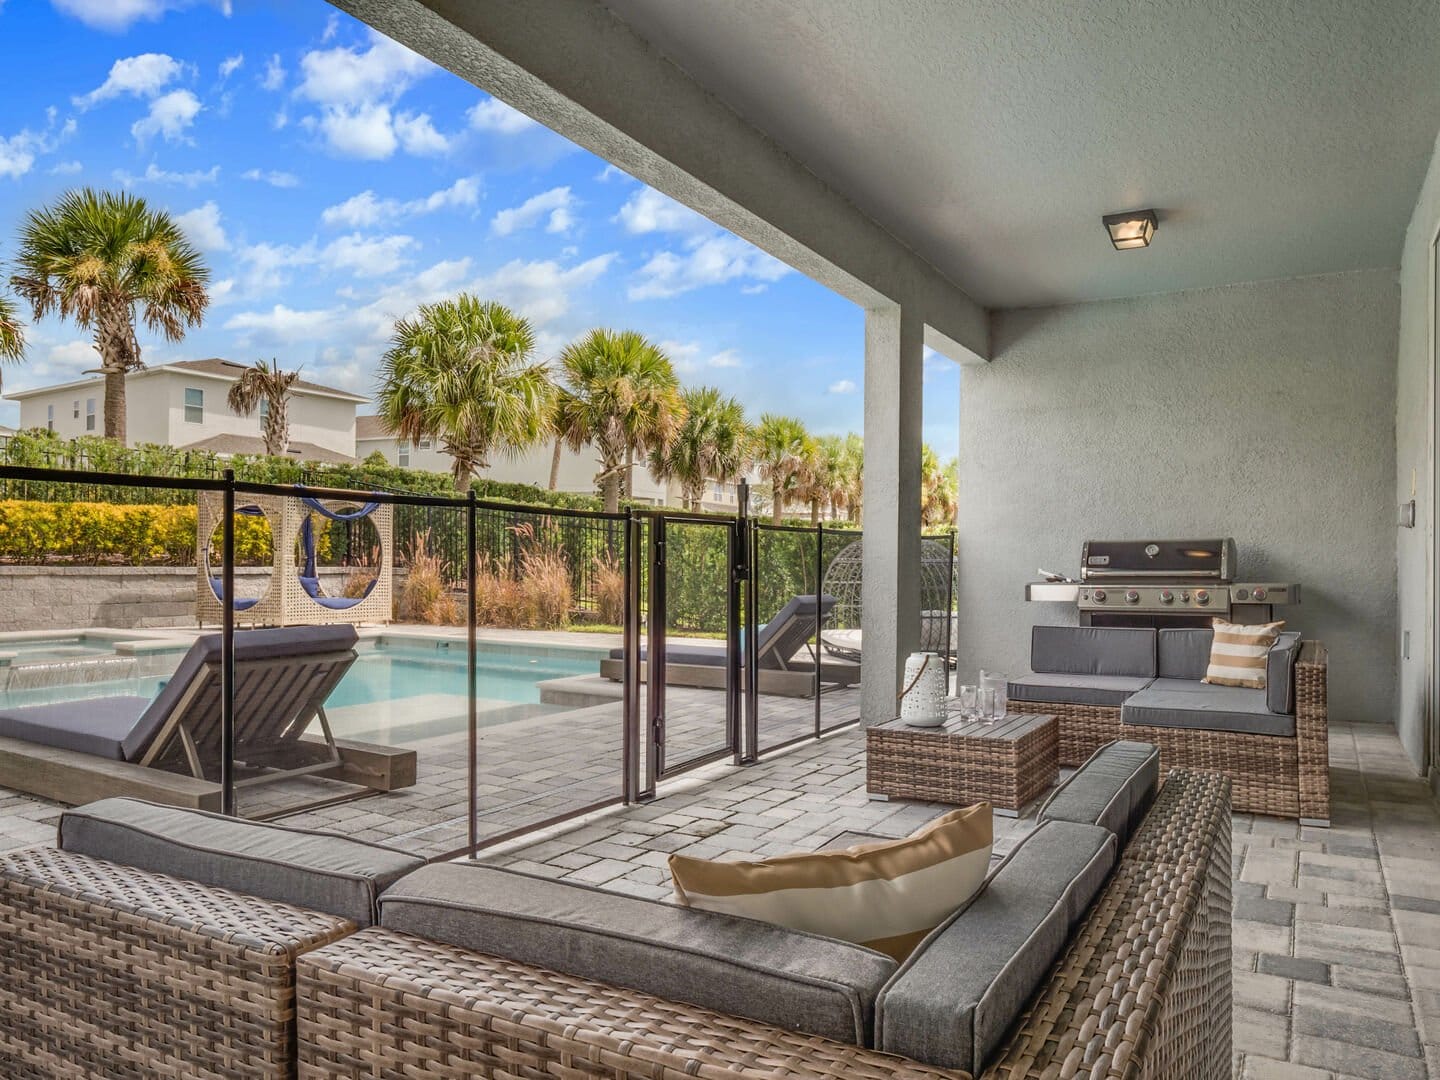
891 588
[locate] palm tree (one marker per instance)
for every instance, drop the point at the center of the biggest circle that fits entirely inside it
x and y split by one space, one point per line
568 425
265 382
712 444
937 488
102 258
461 371
830 481
626 397
12 334
781 446
853 475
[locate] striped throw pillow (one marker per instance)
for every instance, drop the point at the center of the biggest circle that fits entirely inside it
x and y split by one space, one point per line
886 896
1238 653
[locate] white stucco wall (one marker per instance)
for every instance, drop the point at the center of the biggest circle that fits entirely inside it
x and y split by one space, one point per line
1263 411
1414 464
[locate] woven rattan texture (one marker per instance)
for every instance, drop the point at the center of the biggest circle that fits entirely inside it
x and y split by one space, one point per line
111 972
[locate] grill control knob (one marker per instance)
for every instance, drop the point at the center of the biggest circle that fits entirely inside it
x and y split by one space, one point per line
1132 597
1244 594
1201 596
1260 593
1166 596
1098 596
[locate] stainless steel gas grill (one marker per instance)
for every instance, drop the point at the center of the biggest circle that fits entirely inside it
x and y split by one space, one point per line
1164 583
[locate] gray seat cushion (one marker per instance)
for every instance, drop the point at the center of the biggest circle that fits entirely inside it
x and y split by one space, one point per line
1113 789
736 966
96 726
1280 673
316 870
1180 703
1076 689
1092 650
953 1001
1183 654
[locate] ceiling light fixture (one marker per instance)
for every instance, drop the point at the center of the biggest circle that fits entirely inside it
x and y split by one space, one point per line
1130 228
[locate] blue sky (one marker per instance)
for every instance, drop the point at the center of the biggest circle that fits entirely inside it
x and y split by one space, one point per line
335 180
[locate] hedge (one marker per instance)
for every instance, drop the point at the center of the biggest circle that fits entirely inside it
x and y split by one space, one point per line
129 534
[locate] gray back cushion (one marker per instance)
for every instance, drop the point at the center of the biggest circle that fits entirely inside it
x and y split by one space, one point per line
316 870
1092 650
1280 673
953 1001
1113 789
1183 654
732 965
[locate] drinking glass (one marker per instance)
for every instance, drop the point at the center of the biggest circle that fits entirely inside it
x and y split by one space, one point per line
985 705
967 698
999 682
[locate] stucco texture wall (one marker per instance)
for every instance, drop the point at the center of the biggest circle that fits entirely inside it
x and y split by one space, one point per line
1261 411
1412 438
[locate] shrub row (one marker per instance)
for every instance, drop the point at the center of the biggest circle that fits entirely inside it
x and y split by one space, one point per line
131 534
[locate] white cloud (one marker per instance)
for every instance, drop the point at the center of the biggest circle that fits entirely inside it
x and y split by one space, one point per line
727 358
351 77
115 15
202 226
282 325
649 211
272 177
155 175
17 154
555 205
365 209
610 172
367 256
418 135
494 115
66 168
363 132
541 290
139 76
231 64
844 386
753 290
170 117
274 77
711 260
684 355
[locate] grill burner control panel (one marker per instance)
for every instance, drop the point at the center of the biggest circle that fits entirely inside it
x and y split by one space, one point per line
1184 597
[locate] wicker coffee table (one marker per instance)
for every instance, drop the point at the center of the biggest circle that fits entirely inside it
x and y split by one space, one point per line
1008 762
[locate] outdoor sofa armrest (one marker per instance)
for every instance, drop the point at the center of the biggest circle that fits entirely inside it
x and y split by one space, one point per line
419 1006
111 970
1312 731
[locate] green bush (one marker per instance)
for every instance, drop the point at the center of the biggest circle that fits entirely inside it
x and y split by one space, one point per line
125 534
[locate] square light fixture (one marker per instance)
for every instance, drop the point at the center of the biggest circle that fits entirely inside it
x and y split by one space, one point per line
1130 228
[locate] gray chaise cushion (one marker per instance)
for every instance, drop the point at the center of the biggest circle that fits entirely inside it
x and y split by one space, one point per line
1180 703
1280 672
97 726
1092 650
1113 789
1076 689
316 870
1183 654
736 966
965 986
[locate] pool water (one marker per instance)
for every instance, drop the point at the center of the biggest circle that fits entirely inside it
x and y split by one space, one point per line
49 649
393 672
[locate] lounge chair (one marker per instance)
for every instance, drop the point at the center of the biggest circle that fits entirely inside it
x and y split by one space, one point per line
282 678
777 645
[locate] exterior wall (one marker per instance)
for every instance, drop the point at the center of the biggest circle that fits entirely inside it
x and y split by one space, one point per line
1414 470
1263 411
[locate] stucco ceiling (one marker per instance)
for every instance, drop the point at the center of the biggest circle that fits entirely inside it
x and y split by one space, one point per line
1275 137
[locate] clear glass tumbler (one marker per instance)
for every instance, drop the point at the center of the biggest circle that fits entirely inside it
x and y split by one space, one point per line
1000 683
967 696
985 705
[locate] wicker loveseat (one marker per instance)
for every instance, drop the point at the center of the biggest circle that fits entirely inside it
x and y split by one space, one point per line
115 970
1105 683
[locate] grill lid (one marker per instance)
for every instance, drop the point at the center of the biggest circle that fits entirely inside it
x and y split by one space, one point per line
1198 560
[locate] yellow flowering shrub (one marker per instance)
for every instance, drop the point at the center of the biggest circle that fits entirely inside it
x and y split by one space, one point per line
84 532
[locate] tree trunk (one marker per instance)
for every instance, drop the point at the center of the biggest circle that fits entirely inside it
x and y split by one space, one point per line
630 472
610 490
777 506
119 353
464 472
115 404
555 464
814 513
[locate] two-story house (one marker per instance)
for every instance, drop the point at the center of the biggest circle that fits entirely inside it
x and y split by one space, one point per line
183 404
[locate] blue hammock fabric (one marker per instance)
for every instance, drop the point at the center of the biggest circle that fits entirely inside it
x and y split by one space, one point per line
309 576
217 585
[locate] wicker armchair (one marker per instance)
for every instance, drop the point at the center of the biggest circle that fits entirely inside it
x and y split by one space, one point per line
1143 993
1278 776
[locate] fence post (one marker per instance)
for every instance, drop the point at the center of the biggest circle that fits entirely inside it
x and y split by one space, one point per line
227 649
749 655
819 617
471 574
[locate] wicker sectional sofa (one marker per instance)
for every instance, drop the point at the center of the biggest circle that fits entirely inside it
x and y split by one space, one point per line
1100 948
1106 683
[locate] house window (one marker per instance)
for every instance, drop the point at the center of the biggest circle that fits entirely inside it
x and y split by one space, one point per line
264 409
402 455
76 414
49 417
89 414
424 444
194 405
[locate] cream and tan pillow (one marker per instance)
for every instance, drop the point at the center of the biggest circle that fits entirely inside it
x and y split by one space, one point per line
886 896
1238 654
